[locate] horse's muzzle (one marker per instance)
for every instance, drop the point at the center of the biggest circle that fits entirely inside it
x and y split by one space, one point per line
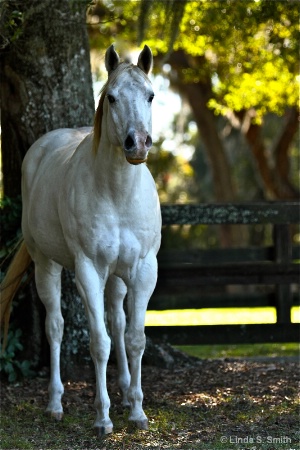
136 147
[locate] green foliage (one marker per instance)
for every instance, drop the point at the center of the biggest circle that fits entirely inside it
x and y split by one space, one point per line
10 365
11 209
249 48
244 56
11 22
173 175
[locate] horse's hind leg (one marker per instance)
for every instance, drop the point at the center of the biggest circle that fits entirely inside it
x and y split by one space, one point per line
48 283
115 292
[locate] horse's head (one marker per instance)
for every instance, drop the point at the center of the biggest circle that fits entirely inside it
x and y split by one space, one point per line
126 103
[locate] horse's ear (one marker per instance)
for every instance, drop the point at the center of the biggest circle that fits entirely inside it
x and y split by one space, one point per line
145 60
111 59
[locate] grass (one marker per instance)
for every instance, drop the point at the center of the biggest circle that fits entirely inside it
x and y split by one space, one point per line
28 428
223 418
242 350
228 417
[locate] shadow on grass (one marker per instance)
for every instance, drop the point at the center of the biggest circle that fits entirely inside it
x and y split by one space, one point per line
208 405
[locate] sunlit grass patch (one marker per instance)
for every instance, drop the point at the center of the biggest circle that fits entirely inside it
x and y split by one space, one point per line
295 314
228 316
216 316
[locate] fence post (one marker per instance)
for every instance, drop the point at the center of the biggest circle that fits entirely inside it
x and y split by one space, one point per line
283 255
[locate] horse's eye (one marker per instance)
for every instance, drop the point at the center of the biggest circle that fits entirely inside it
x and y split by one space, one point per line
151 97
111 98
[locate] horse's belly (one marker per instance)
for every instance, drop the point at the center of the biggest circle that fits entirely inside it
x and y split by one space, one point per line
42 230
51 244
58 251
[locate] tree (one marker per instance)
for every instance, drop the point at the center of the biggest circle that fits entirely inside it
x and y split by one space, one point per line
45 84
250 48
45 76
238 59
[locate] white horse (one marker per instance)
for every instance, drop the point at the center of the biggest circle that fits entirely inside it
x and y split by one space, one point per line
91 206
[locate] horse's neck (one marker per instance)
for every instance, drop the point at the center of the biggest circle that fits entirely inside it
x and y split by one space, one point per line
113 174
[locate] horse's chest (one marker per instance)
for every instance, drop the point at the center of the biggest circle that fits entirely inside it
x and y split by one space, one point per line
131 249
121 250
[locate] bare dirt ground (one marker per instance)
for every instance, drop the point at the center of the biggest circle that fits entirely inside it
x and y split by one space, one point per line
200 404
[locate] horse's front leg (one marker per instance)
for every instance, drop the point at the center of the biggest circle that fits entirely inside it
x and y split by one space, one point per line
91 288
139 293
115 292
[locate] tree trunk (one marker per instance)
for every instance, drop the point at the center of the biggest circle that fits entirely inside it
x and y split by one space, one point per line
45 78
275 177
45 84
197 94
280 150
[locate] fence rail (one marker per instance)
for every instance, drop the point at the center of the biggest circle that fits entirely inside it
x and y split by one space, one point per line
231 213
186 278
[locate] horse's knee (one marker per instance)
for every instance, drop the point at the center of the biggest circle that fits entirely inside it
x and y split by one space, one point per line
115 292
117 322
100 347
135 342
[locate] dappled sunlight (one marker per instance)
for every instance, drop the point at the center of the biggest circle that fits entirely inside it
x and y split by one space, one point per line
191 405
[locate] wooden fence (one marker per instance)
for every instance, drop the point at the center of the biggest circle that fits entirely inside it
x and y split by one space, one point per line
184 276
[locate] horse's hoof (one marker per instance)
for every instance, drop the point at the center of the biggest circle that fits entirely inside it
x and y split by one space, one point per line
142 424
103 431
57 415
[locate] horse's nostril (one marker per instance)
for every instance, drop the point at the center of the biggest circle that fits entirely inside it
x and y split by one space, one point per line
129 142
148 141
